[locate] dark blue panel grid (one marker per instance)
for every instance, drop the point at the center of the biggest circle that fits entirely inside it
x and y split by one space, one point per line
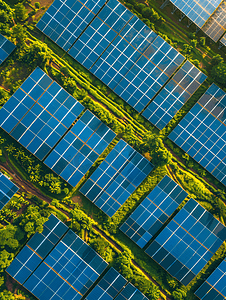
100 33
149 73
6 48
116 178
37 248
68 271
7 190
174 95
80 148
154 211
202 134
65 20
108 287
188 242
130 292
215 285
39 113
197 11
119 57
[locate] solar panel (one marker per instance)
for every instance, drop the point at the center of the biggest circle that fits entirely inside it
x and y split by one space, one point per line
174 95
215 285
79 149
188 242
39 113
223 40
7 190
67 270
149 73
6 48
198 11
37 248
65 20
154 211
108 287
201 133
216 24
116 178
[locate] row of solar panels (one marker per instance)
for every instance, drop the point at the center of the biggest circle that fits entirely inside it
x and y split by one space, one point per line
58 264
118 48
43 118
7 190
208 15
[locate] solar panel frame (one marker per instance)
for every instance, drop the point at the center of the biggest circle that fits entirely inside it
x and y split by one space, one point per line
39 113
6 48
7 190
174 95
214 286
188 242
153 211
80 148
201 133
116 178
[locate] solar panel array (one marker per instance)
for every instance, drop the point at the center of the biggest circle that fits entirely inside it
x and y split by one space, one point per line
223 40
116 178
114 286
118 48
201 133
215 285
216 25
39 113
197 11
57 264
79 148
65 20
6 48
154 211
188 242
7 190
174 95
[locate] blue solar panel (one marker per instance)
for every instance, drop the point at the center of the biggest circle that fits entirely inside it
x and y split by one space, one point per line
154 211
39 113
7 190
197 11
201 133
108 287
116 178
149 73
65 20
100 33
174 95
6 48
215 285
67 270
80 148
37 248
188 242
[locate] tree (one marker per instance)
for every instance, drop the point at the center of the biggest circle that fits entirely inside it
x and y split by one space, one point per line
216 60
5 260
20 11
219 73
202 41
19 32
160 155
